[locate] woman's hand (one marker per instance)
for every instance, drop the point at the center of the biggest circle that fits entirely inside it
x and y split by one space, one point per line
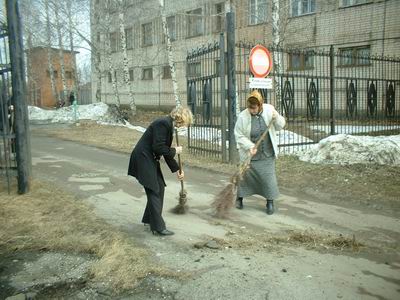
181 175
253 151
178 149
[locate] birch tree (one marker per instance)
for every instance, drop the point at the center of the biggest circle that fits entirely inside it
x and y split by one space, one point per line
277 57
60 49
171 61
72 47
49 52
125 61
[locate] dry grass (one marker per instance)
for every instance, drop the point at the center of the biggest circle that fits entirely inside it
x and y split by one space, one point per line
310 240
48 219
356 184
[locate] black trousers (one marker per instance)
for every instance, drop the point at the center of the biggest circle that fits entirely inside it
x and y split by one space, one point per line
154 207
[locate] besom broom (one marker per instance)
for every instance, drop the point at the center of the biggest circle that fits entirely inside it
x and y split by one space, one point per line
224 200
182 207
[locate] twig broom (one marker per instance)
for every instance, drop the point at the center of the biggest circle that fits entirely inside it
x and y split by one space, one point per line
182 207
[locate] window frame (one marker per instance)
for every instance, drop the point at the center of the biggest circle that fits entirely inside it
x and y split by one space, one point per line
355 57
168 73
114 47
129 46
256 12
353 4
191 19
300 13
302 57
144 72
151 38
219 22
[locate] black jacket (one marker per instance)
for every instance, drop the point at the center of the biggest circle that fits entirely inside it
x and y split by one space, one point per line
155 142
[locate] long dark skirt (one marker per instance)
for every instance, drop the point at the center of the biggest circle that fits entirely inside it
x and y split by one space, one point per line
260 179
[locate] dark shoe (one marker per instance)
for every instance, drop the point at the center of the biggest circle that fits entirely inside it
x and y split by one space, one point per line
163 232
239 203
270 207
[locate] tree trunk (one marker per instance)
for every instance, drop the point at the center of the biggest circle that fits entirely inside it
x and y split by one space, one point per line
60 50
74 72
125 61
108 53
170 55
277 56
49 53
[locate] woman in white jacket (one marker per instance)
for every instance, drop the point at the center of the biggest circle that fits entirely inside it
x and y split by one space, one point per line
260 179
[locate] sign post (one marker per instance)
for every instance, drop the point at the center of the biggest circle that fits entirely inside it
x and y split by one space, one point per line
260 66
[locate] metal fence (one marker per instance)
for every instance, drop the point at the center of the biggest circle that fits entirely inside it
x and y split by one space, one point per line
7 132
321 92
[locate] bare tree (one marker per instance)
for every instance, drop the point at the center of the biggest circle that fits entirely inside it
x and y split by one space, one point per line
125 57
170 54
49 52
59 28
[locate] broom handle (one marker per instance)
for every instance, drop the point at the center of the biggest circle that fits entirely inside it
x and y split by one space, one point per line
179 157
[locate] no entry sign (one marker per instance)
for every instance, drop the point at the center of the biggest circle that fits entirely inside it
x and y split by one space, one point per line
260 61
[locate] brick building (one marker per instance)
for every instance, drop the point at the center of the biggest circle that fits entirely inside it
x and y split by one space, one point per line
39 82
353 27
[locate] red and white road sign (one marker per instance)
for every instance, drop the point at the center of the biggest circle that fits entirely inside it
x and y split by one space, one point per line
260 61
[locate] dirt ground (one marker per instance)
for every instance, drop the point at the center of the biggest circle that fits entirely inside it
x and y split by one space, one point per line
80 237
366 186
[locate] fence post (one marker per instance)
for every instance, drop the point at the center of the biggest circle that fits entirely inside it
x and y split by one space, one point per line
332 88
230 37
223 94
19 96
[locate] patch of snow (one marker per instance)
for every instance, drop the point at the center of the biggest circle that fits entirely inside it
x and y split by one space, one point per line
100 112
348 149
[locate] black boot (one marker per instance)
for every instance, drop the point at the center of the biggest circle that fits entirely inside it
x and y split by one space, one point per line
239 203
270 207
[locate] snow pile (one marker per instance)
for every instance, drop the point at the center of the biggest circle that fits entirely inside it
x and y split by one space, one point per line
347 149
100 112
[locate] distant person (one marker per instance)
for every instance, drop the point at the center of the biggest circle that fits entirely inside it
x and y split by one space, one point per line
144 164
71 98
252 122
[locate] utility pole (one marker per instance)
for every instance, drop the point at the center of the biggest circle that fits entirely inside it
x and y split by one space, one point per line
232 102
23 150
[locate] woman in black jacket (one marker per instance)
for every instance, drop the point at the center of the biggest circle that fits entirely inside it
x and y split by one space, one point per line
144 164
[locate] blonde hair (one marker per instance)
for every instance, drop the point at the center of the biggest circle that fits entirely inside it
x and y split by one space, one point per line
255 99
182 116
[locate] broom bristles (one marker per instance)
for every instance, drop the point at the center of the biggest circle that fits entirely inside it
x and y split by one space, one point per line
181 208
224 200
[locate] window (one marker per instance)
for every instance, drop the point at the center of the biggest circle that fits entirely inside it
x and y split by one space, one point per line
346 3
129 38
194 69
355 56
171 25
302 7
147 74
114 42
98 37
68 74
131 74
195 23
109 77
166 72
257 11
147 33
55 74
219 19
301 60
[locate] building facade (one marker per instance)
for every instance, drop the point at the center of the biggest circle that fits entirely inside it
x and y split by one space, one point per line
355 28
39 83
